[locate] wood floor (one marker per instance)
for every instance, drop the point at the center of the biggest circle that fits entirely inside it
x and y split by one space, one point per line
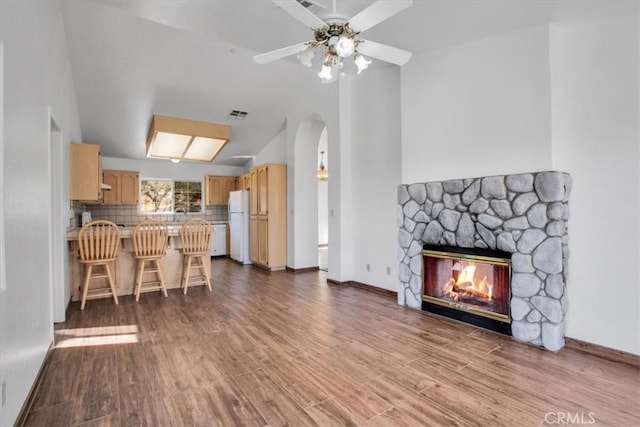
288 349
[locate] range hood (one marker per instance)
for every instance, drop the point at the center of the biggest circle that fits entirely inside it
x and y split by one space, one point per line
105 187
182 139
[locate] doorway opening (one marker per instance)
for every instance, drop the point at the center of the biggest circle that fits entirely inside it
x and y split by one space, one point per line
323 205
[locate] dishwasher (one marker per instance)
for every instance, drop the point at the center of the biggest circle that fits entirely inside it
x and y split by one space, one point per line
219 240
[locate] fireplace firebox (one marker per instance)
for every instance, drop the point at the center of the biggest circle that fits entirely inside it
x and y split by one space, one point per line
471 285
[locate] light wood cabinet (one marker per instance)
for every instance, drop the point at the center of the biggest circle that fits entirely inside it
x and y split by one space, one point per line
244 182
229 186
253 238
217 189
213 190
263 194
268 222
86 172
124 187
263 240
253 192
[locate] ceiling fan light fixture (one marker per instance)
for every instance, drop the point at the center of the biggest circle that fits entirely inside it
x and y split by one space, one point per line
337 36
345 47
306 56
326 73
361 62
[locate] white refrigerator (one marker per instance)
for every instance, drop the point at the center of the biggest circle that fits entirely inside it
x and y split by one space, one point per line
239 226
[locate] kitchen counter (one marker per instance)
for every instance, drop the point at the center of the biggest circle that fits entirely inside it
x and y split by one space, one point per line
124 266
126 230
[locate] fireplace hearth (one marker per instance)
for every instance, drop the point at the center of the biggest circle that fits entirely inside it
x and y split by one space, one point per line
523 215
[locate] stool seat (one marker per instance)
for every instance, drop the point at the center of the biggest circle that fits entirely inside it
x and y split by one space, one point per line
196 242
98 243
150 239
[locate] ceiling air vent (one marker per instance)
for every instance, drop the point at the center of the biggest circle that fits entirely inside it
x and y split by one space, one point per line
238 115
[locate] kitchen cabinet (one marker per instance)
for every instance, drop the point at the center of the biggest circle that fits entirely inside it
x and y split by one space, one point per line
124 187
217 189
263 186
86 172
268 219
230 184
253 192
244 182
253 237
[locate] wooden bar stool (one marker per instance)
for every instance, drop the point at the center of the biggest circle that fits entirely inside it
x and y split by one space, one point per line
196 241
98 242
150 244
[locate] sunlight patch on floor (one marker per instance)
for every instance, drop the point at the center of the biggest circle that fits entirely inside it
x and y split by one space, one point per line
101 335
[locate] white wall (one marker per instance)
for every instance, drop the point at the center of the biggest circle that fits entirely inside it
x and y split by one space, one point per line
478 109
274 152
375 174
36 76
596 139
187 171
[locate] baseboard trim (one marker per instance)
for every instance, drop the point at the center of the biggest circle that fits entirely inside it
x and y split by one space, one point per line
303 270
364 286
28 403
337 282
607 353
374 289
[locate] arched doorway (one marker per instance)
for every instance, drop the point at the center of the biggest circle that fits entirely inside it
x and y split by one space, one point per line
323 205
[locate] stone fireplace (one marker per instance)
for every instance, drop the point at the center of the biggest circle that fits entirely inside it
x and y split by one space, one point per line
524 215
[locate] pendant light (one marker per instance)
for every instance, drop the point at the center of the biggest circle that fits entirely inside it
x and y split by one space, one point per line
322 175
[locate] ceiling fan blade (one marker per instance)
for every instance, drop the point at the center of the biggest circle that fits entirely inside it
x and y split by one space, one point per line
384 52
299 12
376 13
274 55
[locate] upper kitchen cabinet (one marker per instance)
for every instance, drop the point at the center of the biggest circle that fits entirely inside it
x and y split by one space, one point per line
217 189
86 172
124 187
244 182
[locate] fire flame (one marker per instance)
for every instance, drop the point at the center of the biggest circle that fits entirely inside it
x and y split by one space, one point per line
466 285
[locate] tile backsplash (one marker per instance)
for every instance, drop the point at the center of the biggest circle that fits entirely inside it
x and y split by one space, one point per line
128 215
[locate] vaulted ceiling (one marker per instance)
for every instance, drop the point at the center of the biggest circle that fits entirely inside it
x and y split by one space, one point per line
193 59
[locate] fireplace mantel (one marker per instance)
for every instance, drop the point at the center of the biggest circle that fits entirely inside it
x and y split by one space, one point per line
523 214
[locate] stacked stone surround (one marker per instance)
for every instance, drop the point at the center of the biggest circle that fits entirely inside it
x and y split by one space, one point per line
524 214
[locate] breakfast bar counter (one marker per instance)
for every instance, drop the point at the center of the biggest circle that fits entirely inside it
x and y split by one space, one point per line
124 267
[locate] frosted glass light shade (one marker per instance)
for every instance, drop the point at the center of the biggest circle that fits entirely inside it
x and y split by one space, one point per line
183 139
204 149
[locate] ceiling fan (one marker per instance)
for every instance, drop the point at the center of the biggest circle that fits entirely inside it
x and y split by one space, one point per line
337 37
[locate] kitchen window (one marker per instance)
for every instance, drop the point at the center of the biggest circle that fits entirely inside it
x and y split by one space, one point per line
165 196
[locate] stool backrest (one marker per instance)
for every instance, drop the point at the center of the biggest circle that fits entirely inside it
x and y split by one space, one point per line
150 238
196 236
99 240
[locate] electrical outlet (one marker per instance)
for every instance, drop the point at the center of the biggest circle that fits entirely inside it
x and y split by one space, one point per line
4 391
388 271
368 267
